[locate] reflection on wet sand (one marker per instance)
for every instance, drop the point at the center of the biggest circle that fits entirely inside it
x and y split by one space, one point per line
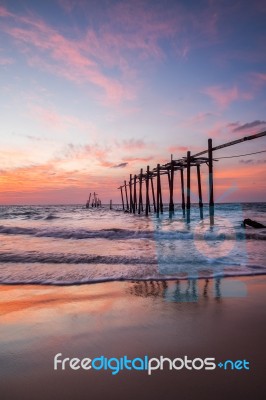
191 290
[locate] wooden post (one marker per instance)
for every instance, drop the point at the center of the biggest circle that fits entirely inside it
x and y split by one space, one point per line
147 191
161 200
182 190
126 194
171 201
135 194
111 205
122 197
130 194
169 180
158 190
200 192
188 186
211 199
88 202
140 191
149 195
188 180
153 196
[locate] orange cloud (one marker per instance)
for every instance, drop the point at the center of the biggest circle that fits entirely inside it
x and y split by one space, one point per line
48 183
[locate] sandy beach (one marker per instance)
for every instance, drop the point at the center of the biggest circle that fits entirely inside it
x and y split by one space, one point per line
224 319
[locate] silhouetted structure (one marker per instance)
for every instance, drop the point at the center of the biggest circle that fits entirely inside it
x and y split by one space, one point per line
186 163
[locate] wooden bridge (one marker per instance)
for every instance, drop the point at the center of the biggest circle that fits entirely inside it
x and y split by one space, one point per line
136 205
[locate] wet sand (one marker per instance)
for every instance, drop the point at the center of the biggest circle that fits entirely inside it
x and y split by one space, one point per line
225 319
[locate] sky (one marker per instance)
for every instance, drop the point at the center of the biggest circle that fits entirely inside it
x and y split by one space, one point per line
92 91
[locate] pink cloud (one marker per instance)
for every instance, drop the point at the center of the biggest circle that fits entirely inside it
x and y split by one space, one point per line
227 131
198 118
4 12
258 80
68 5
177 149
58 122
130 32
6 60
217 129
133 144
72 62
224 97
138 159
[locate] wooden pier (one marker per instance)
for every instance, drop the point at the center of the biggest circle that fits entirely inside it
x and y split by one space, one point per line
96 201
146 179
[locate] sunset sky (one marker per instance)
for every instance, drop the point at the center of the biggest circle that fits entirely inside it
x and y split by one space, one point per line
92 91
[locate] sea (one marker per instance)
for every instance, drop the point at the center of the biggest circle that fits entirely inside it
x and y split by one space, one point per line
70 245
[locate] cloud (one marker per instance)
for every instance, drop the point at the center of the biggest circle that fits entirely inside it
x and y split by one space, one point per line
72 59
55 121
258 79
48 183
68 5
4 12
249 125
252 162
223 97
6 60
133 144
121 165
138 159
227 130
107 54
177 149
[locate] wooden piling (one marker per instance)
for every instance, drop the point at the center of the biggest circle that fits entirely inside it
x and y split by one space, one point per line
188 186
88 202
188 180
135 194
147 192
130 194
140 192
171 200
153 196
158 190
111 204
126 194
182 190
122 197
200 192
169 180
210 164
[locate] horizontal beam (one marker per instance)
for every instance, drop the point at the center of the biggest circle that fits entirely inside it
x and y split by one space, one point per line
182 163
244 139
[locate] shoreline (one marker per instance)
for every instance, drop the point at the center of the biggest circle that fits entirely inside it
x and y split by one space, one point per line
130 280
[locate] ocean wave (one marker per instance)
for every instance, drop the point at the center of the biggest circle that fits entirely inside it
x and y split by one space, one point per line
119 278
118 233
72 258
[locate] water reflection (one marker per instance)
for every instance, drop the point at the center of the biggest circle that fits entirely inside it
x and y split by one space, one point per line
182 291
